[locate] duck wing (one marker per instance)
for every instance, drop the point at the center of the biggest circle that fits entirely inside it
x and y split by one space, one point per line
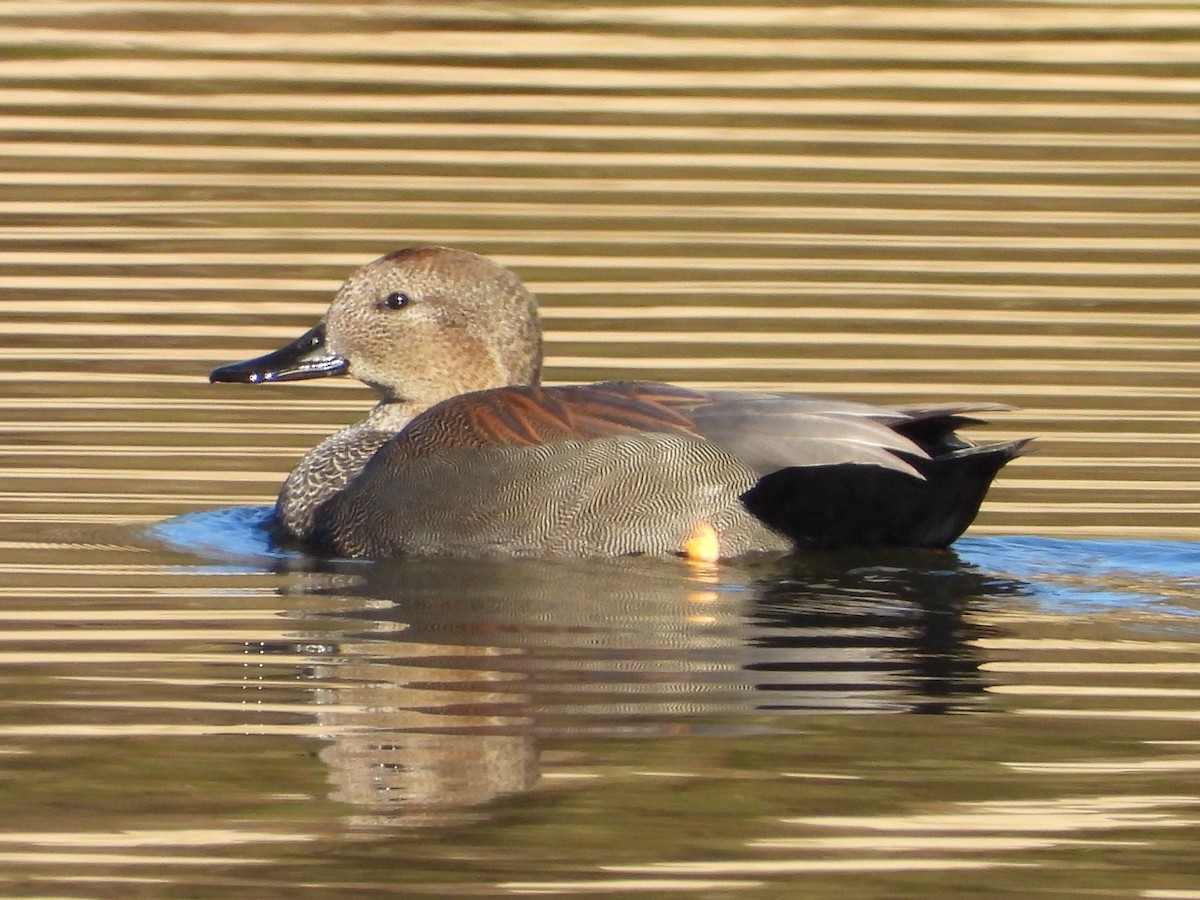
766 431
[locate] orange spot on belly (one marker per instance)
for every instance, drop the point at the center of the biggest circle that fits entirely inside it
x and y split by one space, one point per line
702 545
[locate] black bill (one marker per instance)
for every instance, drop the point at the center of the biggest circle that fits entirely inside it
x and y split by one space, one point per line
305 357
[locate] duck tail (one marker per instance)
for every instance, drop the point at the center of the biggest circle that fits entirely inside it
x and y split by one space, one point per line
852 505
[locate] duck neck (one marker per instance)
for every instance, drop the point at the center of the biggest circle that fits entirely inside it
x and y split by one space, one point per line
390 416
328 467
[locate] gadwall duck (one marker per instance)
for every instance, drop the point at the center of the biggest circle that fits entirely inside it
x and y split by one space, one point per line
466 454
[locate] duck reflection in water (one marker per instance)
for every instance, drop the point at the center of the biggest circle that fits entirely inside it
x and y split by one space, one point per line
466 455
447 673
562 611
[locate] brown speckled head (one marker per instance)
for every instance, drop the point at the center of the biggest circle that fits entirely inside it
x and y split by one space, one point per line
428 323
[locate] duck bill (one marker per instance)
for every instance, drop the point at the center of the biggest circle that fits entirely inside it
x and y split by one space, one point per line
306 357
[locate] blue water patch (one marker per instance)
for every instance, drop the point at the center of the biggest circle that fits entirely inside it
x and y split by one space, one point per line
236 534
1093 575
1030 556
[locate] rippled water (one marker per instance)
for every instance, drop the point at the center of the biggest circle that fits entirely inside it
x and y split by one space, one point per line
887 203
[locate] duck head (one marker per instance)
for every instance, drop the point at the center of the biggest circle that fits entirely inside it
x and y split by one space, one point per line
418 325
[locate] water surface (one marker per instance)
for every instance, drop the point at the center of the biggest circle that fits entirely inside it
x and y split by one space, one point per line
889 203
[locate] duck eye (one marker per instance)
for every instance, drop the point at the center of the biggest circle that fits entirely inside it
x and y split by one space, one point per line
396 300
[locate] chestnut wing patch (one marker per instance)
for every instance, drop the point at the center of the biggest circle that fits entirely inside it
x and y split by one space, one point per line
526 416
